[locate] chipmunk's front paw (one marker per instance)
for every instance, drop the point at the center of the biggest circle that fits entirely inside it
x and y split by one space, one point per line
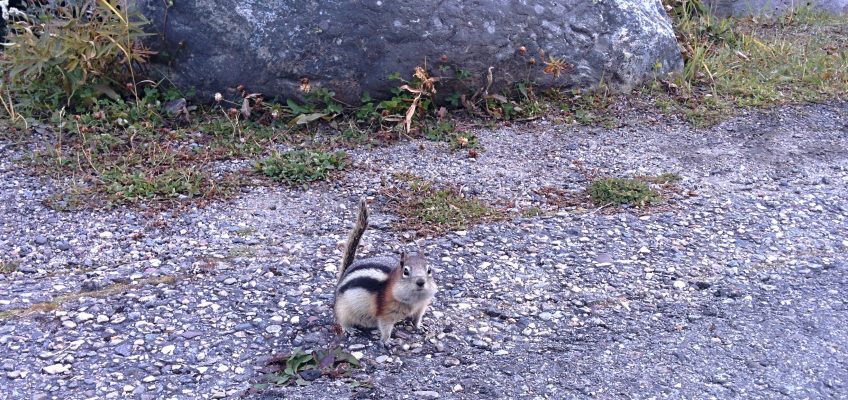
386 344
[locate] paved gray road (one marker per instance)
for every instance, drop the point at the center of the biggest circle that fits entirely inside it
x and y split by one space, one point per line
736 289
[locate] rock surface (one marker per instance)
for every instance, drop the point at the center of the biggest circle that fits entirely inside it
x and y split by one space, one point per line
352 47
726 8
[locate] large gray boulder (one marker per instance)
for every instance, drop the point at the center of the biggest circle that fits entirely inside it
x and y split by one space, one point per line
738 8
353 46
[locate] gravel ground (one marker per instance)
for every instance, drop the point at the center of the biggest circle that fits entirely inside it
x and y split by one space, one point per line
735 290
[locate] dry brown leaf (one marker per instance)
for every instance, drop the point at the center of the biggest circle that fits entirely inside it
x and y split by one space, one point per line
410 113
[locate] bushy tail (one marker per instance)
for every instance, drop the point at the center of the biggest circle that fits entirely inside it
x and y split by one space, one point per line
354 236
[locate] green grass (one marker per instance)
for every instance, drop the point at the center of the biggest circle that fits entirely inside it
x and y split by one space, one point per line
663 179
8 267
302 166
620 191
429 208
131 186
290 368
753 63
532 212
588 107
130 150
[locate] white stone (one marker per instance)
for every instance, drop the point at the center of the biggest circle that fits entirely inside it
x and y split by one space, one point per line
105 235
644 250
69 324
168 350
273 328
55 369
295 319
148 379
84 316
155 262
679 284
102 318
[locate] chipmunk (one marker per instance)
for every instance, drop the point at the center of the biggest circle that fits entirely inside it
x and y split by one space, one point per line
380 291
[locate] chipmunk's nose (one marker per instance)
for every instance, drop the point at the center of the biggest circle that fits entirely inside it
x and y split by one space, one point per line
420 282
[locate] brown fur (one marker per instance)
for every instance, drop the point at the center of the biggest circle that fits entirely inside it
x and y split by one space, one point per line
391 291
384 298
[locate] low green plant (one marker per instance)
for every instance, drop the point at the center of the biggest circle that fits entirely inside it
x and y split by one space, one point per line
124 185
8 267
72 54
440 130
321 105
732 63
664 178
590 107
532 212
620 191
464 140
302 166
291 368
430 208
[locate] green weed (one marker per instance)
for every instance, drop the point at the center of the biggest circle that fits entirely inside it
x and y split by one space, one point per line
731 63
620 191
72 54
302 166
663 179
8 267
429 208
295 367
124 185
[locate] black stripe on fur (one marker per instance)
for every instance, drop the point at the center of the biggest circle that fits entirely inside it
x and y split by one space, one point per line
359 267
364 282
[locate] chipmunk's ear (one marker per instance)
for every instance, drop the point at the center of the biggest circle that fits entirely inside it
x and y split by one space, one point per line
402 257
419 248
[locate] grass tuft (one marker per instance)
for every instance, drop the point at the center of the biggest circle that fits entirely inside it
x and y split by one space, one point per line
302 166
429 208
8 267
752 62
301 367
620 191
663 179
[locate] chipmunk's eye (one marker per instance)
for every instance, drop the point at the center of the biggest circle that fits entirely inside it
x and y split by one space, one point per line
429 271
405 271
